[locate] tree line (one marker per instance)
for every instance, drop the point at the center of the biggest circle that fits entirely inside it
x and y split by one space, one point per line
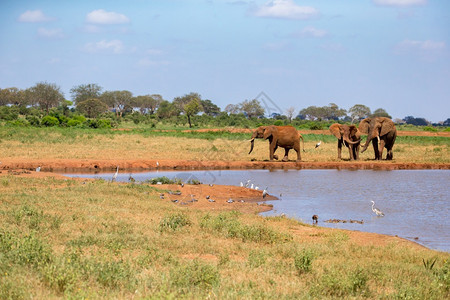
91 101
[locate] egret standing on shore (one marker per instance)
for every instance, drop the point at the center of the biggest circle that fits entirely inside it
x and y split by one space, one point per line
378 212
265 192
115 174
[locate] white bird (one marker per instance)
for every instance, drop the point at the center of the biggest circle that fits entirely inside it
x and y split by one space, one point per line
115 174
230 200
211 200
248 183
157 164
318 144
242 184
38 169
252 186
378 212
256 187
265 192
207 197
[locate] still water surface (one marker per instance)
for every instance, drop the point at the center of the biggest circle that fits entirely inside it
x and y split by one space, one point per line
415 202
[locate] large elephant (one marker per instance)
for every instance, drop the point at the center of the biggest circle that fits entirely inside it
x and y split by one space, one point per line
286 137
382 132
348 135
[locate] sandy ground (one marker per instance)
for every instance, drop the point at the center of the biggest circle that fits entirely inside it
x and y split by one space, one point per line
244 200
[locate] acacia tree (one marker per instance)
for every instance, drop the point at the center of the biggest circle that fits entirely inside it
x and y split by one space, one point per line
85 91
192 108
190 104
147 103
232 108
119 101
290 113
252 108
92 108
47 95
358 112
380 112
210 108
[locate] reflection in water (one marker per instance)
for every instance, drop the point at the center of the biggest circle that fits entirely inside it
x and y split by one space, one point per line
415 202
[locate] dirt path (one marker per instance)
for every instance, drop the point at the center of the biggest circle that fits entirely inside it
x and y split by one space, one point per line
99 165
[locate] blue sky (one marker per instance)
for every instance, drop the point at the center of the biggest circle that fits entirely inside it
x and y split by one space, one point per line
393 54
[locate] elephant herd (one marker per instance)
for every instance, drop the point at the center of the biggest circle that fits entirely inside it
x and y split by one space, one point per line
380 130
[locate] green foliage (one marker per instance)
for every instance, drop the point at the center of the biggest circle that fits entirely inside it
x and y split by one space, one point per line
228 225
278 123
8 113
429 263
33 120
163 180
195 274
256 258
174 222
303 261
49 121
430 128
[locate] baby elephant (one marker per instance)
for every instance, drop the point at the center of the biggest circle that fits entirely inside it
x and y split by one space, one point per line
286 137
348 135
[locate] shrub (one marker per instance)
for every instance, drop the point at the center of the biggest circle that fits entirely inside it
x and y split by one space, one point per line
316 126
49 121
430 128
19 122
303 262
278 123
174 222
195 274
33 120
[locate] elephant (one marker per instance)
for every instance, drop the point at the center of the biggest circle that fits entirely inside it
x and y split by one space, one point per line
348 135
382 132
286 137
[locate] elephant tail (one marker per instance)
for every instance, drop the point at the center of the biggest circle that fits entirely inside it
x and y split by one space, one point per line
303 142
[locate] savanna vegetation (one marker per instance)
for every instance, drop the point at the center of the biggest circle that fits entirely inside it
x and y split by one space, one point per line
95 239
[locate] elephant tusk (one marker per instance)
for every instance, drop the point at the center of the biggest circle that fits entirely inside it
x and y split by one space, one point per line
379 141
251 140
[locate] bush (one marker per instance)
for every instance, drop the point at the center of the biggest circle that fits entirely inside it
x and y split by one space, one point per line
8 113
430 128
18 122
278 123
49 121
33 120
303 261
174 222
195 274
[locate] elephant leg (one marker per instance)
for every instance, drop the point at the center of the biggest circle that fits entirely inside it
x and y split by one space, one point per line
381 148
375 149
297 149
286 154
350 151
356 152
339 148
273 155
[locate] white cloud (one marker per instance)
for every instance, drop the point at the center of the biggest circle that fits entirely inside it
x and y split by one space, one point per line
285 9
101 16
399 2
51 33
34 16
421 45
311 32
114 46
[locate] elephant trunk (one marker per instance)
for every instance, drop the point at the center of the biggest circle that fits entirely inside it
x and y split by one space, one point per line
348 141
369 138
252 144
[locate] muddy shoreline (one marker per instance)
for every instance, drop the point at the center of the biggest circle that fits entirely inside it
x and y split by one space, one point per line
98 165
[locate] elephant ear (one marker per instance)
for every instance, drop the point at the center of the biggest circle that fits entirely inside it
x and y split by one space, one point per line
386 126
364 126
268 131
336 130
